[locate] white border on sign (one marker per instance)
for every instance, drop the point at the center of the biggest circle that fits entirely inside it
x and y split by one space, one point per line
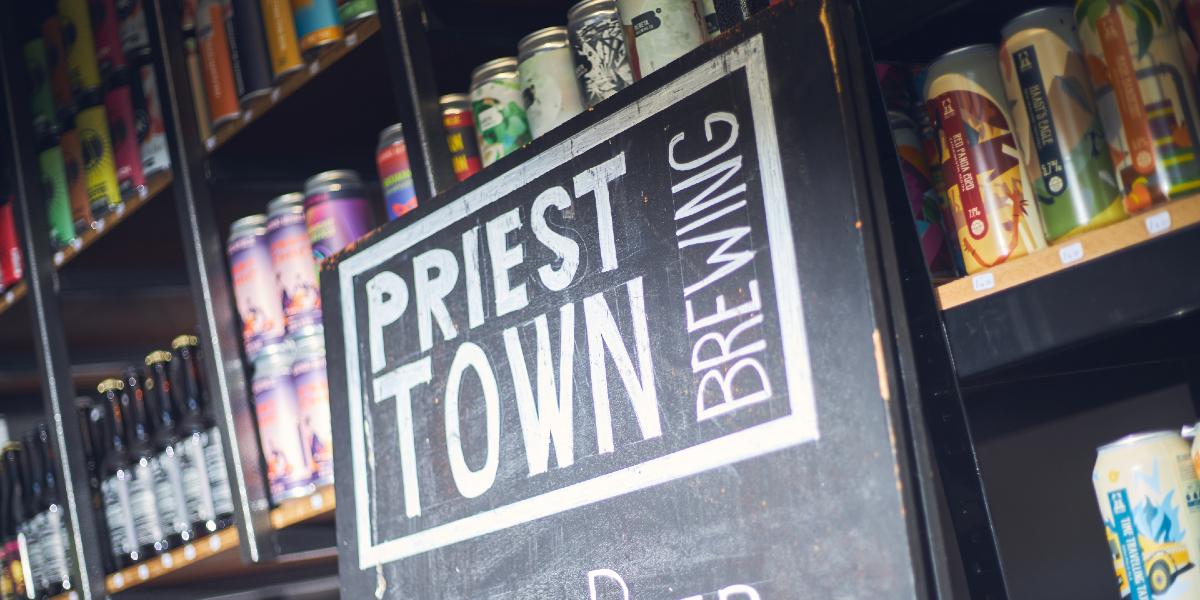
798 427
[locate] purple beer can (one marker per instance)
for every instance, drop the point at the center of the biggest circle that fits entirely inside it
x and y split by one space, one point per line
336 210
312 390
278 411
295 269
254 289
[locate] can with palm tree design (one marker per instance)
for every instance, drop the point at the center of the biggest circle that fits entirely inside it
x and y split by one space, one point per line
984 178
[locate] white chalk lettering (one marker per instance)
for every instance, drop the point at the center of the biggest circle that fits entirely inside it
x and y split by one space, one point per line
551 417
565 249
754 304
729 261
609 574
470 245
596 180
509 298
716 117
387 297
431 292
471 483
399 383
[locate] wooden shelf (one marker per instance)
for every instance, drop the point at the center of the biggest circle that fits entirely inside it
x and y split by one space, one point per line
155 185
221 542
1072 252
12 296
356 34
317 507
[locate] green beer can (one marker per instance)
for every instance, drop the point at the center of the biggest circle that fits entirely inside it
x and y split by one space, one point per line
501 124
39 86
54 185
355 10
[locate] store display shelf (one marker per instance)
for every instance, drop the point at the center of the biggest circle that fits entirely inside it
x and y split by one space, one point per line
1139 271
12 296
356 34
155 185
318 506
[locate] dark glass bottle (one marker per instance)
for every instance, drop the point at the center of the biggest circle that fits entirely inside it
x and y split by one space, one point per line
55 552
33 528
91 433
142 455
7 591
118 484
169 484
15 512
200 446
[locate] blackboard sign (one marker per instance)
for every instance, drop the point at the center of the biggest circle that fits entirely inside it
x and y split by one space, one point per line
639 363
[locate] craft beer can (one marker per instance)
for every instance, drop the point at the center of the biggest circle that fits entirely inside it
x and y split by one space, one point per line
280 28
216 65
56 65
12 266
1057 124
600 50
356 10
98 163
289 473
196 83
336 211
985 181
252 55
922 198
135 38
122 126
152 131
1150 502
54 185
40 99
661 31
460 135
498 108
312 393
82 70
391 159
896 84
1145 96
110 54
254 289
317 23
76 172
708 16
292 260
546 72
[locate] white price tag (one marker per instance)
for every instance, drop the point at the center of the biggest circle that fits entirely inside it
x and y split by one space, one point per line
9 297
1070 253
214 542
189 552
275 95
143 192
58 258
351 39
210 143
119 580
77 244
247 116
1158 223
314 68
983 282
73 595
143 572
316 501
120 209
167 561
100 226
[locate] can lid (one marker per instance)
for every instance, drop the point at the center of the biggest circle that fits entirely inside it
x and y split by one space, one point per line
331 178
158 356
900 119
1137 438
506 65
454 100
186 339
543 39
250 224
588 8
280 204
972 49
1038 17
392 133
109 385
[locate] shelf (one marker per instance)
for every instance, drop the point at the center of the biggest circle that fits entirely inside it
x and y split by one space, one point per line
318 506
1138 271
221 542
12 296
155 185
356 34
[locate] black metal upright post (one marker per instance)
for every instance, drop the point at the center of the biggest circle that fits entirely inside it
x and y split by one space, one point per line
402 23
211 290
54 366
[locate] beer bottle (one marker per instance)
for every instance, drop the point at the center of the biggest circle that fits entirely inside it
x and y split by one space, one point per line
168 473
16 516
33 527
151 535
200 447
6 583
59 561
117 483
91 423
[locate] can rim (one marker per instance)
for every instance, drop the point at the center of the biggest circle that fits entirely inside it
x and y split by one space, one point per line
504 64
455 98
247 224
963 50
1006 31
333 177
279 203
589 7
546 38
1137 438
392 131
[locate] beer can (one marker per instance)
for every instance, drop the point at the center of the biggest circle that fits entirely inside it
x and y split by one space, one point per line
54 185
151 130
931 150
546 72
498 108
40 99
986 183
312 392
280 28
12 266
289 474
598 44
1145 97
293 263
661 31
896 84
336 211
460 135
254 289
122 126
110 53
253 59
83 72
216 64
1057 124
317 24
135 38
196 83
76 172
56 65
351 11
922 198
708 15
1150 502
391 159
98 162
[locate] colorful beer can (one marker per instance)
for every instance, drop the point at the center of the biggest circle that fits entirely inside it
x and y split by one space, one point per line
196 83
40 99
254 289
336 211
546 72
216 65
280 28
135 38
922 198
98 163
76 172
599 47
1148 496
351 11
661 31
708 15
498 108
1146 98
83 71
312 392
56 65
122 126
1057 124
929 145
54 185
292 261
12 265
110 54
896 84
151 130
317 23
986 182
460 135
253 59
391 158
289 474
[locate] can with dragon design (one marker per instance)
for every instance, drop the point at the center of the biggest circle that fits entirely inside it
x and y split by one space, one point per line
600 49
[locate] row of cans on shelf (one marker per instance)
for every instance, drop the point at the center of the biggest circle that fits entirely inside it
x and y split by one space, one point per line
1077 120
239 50
95 106
155 459
31 511
12 260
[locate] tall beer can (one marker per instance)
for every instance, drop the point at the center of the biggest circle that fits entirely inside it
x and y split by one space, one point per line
277 409
12 266
546 72
986 183
1150 502
110 54
122 126
152 131
216 64
460 135
660 31
1145 95
255 291
56 65
196 83
135 38
293 263
311 382
82 70
351 11
54 185
336 211
599 45
499 109
317 23
103 190
76 172
922 198
280 28
1057 123
252 56
395 173
40 99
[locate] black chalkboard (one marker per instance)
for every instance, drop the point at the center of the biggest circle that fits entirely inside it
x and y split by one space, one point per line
638 359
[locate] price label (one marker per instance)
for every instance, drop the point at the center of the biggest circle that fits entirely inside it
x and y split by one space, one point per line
58 258
142 192
143 572
119 580
8 297
167 561
316 501
77 244
189 552
275 95
247 116
120 209
100 225
73 595
983 282
351 40
210 143
1070 253
314 68
1158 223
214 542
